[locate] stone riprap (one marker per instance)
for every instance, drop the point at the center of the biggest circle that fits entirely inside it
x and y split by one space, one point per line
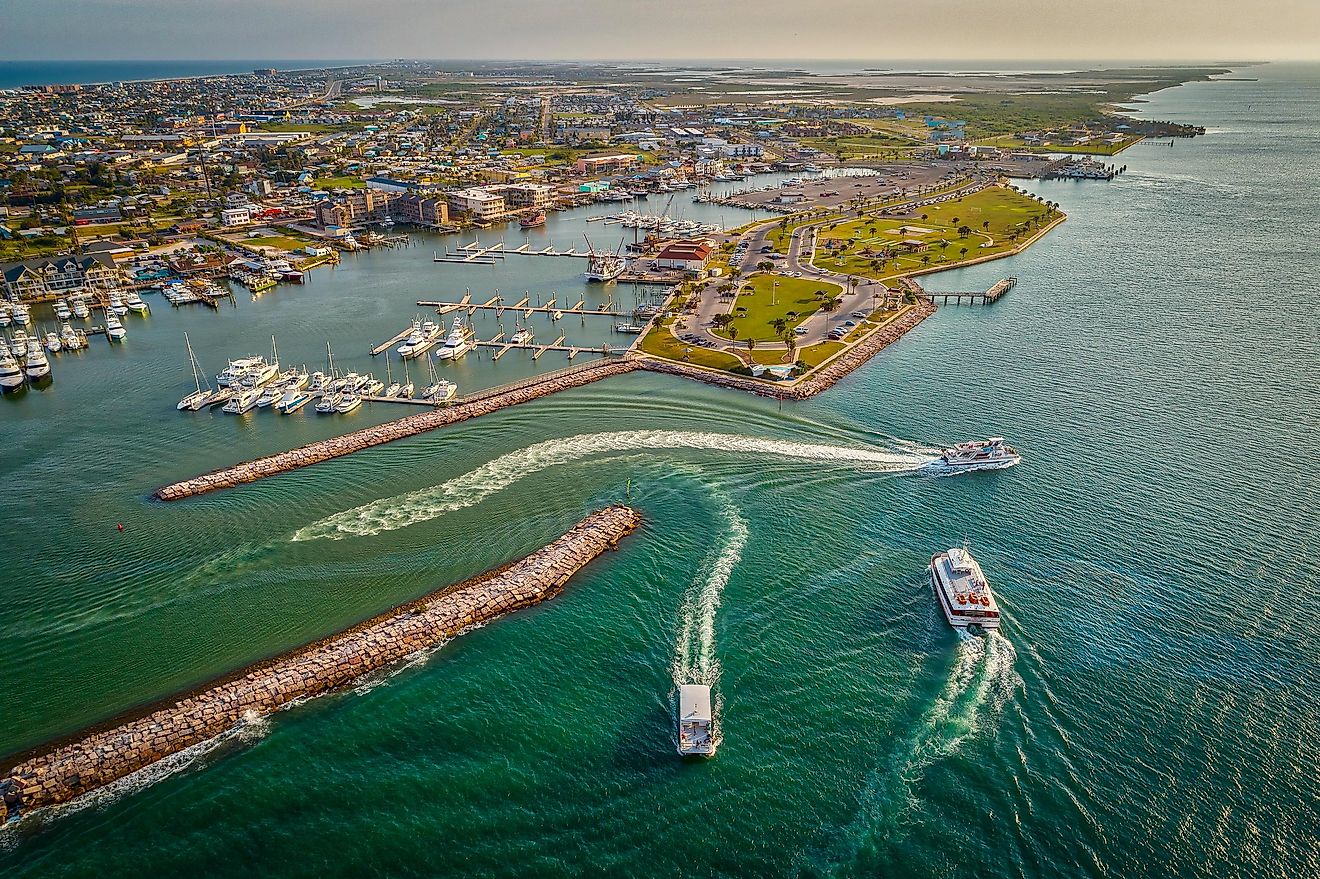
83 764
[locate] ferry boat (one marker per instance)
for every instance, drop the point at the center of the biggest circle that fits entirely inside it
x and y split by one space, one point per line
962 590
458 342
990 454
695 721
536 219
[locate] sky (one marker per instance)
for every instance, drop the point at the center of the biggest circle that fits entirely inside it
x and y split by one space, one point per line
1148 30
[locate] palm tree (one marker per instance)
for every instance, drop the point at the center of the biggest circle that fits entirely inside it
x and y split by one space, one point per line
925 259
985 225
962 252
790 339
779 324
751 346
733 332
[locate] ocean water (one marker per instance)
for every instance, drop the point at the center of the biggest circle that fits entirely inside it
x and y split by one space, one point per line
1143 712
14 74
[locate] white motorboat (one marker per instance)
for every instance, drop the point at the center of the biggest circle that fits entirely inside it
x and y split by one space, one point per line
21 315
114 330
372 387
293 400
990 454
135 303
244 400
407 389
36 366
328 403
62 309
52 342
6 316
11 374
270 395
200 396
695 721
962 590
460 341
347 403
237 369
80 309
70 339
116 305
522 336
316 381
414 339
439 390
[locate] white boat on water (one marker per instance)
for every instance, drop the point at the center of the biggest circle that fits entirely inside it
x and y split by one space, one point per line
439 390
200 396
136 304
347 403
695 721
36 366
53 344
460 341
69 339
293 400
11 374
6 316
962 590
62 309
523 336
114 330
243 400
270 395
407 389
990 454
116 305
21 315
328 403
80 309
372 386
237 369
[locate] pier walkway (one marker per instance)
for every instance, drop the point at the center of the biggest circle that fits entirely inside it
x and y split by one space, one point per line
92 760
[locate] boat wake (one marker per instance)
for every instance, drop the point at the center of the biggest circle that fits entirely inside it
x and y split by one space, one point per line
695 661
980 683
471 488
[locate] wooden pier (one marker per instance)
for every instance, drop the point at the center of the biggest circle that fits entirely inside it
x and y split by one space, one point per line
987 297
526 310
385 346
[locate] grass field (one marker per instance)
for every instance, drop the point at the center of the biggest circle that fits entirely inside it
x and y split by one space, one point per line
765 301
660 342
339 183
283 242
1086 149
998 217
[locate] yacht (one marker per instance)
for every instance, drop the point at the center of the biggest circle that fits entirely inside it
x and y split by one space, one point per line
116 305
414 339
347 403
114 330
458 342
80 309
21 315
328 403
6 316
407 389
962 590
695 721
11 376
392 389
237 369
270 394
199 397
990 454
244 400
523 336
62 309
422 339
293 400
372 386
135 303
52 342
36 366
439 390
316 381
70 339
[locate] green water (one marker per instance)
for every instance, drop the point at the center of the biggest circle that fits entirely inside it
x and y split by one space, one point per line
1142 713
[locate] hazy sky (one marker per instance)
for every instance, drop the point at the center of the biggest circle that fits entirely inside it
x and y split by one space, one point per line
561 29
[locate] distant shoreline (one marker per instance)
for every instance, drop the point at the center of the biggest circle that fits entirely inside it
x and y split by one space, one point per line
13 75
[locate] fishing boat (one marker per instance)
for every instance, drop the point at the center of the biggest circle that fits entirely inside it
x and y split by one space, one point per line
962 590
316 381
328 403
243 400
11 375
21 315
695 721
264 372
52 342
990 454
36 366
293 400
70 339
270 395
459 341
414 339
422 339
237 369
372 387
136 304
114 330
604 266
199 397
62 309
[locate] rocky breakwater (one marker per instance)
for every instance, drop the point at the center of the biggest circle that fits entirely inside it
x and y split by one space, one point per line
821 379
482 403
60 773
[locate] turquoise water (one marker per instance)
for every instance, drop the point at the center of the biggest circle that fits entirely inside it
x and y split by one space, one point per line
1142 713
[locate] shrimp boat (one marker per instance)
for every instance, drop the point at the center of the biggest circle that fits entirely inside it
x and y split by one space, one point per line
198 398
990 454
695 721
962 590
604 267
532 221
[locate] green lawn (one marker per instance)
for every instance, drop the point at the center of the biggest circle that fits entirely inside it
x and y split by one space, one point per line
660 342
767 297
283 242
339 183
995 215
1090 149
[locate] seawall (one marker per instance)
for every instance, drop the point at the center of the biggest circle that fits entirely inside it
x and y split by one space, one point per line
89 761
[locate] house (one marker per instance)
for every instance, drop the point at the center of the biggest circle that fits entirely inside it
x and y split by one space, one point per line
235 217
44 277
689 256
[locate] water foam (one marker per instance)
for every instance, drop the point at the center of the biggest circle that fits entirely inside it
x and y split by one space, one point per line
471 488
980 683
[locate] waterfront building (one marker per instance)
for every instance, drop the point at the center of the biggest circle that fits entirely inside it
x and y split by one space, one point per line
46 277
420 210
607 164
479 202
689 256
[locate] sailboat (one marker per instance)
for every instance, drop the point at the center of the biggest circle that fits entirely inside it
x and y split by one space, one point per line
198 398
406 392
439 390
392 387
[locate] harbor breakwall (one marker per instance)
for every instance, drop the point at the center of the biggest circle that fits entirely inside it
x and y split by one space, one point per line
93 760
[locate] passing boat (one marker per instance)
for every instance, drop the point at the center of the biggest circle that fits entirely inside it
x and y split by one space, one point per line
990 454
114 330
199 397
695 721
962 590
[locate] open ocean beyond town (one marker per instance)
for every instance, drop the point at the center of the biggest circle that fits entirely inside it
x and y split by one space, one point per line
1145 710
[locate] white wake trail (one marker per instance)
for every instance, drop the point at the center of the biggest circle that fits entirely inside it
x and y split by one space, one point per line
471 488
695 661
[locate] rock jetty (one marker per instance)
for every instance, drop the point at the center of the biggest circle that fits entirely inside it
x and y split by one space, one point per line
65 771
